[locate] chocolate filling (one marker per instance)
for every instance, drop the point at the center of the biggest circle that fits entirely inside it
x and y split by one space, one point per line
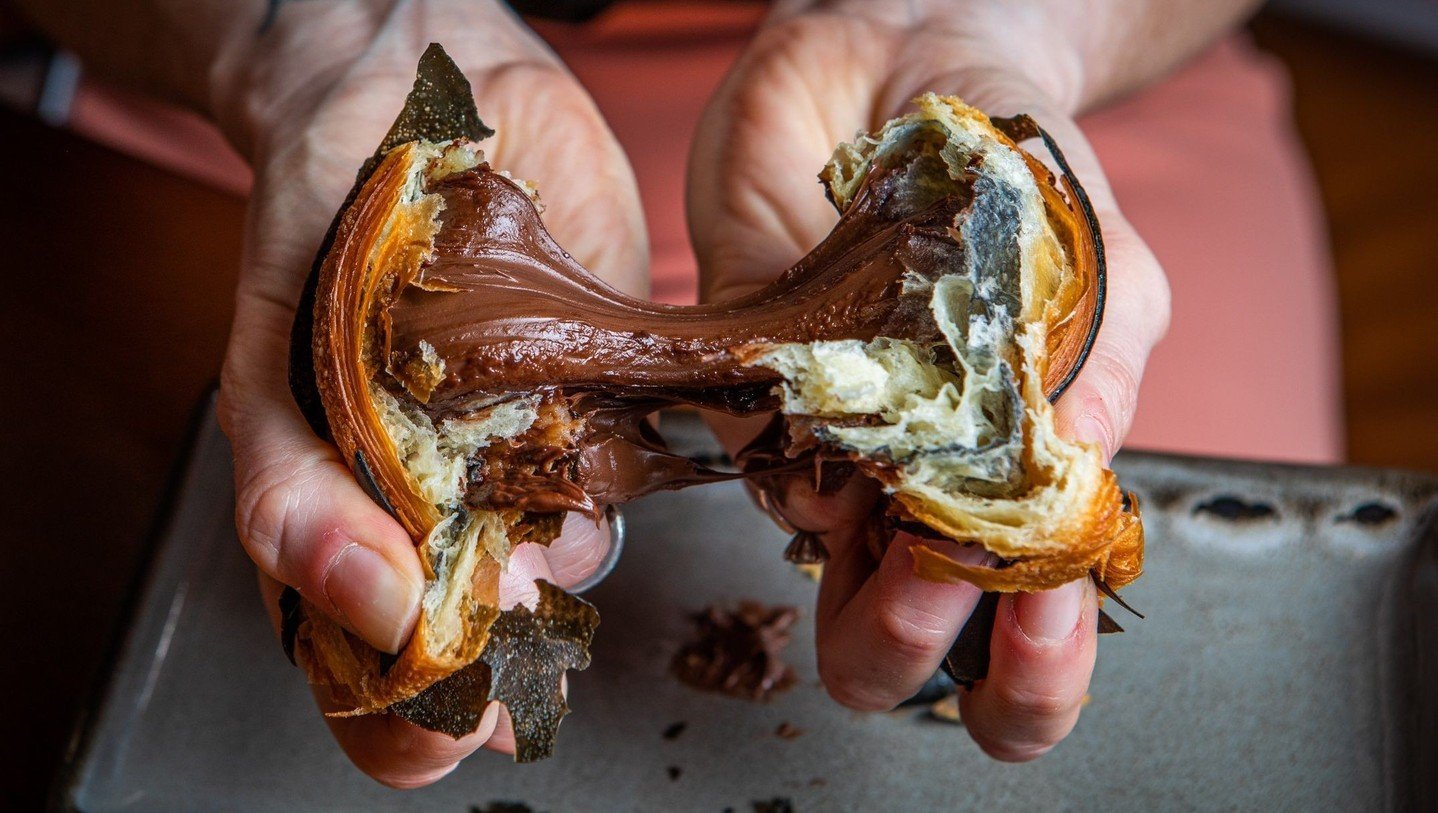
499 311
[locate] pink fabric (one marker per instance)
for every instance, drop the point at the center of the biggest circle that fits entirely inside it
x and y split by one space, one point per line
1204 163
162 134
1207 168
651 68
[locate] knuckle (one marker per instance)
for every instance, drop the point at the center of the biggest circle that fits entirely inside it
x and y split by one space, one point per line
911 635
850 694
265 504
1026 704
1117 383
262 507
846 689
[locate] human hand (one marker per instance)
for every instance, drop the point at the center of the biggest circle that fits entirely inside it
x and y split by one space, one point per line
309 100
817 73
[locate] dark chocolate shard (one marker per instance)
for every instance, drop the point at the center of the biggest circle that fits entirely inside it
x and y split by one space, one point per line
968 659
527 656
365 478
1106 624
291 614
1021 128
673 730
451 706
1109 591
440 106
806 548
778 804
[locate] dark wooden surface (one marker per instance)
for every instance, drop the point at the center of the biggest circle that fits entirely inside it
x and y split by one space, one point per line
118 295
118 283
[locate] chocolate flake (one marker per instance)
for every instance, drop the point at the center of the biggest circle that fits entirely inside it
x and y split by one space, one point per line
502 806
778 804
673 730
674 772
527 654
788 731
452 706
1109 591
968 659
291 614
736 652
806 548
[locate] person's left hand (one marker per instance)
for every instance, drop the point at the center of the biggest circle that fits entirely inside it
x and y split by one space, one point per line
816 74
310 98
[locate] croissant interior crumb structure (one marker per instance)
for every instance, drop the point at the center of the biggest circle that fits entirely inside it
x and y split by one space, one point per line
483 383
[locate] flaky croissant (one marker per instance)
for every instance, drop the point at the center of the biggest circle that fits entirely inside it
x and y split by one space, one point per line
481 384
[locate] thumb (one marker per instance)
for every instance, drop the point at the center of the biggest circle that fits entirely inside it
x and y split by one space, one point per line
1100 404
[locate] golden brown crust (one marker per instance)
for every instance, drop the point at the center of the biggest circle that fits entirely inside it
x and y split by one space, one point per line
1105 542
380 238
379 247
1072 522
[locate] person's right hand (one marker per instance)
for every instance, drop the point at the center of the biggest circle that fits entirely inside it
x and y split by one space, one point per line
308 101
817 73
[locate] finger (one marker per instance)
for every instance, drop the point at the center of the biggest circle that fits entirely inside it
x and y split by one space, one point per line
399 753
752 205
392 751
1099 406
526 565
847 508
579 551
1040 662
880 643
305 522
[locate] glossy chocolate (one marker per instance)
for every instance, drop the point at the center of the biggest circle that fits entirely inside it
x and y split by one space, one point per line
507 311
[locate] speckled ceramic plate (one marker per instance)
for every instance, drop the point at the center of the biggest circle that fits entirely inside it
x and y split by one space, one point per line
1287 662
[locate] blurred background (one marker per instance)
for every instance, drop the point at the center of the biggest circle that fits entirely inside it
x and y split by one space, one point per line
122 257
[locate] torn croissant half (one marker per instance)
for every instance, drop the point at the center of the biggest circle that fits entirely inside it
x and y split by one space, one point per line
481 384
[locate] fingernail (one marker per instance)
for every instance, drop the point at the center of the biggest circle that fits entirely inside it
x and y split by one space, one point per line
1051 616
1088 429
376 600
